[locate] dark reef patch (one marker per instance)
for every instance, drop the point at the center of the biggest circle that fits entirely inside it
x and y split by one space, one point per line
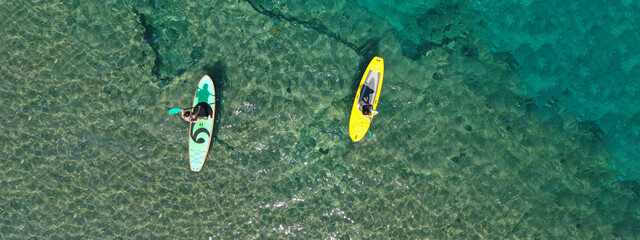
169 37
367 48
149 32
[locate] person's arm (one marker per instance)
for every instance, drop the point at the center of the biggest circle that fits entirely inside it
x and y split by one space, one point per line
373 112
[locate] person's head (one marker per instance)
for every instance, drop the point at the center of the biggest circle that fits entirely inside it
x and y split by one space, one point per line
366 109
187 114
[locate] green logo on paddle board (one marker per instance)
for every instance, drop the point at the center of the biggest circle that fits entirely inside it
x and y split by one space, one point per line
194 134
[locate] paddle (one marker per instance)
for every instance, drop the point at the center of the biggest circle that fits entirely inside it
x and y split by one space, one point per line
174 110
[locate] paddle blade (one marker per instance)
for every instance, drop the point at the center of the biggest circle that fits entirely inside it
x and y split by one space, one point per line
174 110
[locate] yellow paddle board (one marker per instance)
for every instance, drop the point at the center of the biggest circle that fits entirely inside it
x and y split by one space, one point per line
368 93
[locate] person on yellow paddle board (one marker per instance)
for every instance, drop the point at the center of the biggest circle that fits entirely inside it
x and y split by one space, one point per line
364 105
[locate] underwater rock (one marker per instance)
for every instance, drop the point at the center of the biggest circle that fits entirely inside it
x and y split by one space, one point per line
166 30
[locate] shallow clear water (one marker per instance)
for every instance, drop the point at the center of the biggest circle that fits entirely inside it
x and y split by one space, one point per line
457 150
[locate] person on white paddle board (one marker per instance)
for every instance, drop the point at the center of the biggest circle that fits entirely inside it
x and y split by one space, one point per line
202 111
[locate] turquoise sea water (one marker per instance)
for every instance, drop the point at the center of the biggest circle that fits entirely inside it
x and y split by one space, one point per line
498 119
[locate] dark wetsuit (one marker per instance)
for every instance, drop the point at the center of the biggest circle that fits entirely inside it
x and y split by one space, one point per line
366 94
203 109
